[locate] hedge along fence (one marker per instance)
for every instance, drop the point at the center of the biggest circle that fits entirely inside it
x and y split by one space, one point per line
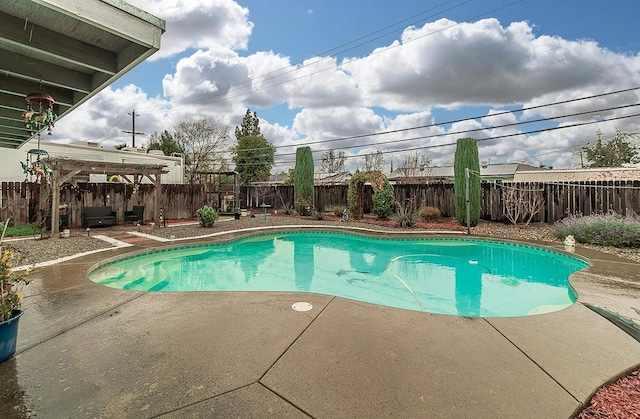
19 200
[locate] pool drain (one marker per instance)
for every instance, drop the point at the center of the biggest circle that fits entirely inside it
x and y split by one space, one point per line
301 306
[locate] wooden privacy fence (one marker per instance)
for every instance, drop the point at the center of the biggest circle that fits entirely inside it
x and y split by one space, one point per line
560 199
19 200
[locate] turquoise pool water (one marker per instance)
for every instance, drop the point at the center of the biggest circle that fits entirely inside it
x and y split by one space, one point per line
450 276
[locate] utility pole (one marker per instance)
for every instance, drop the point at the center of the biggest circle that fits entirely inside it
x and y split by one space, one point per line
133 128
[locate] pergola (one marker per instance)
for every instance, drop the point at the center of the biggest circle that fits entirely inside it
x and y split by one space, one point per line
66 169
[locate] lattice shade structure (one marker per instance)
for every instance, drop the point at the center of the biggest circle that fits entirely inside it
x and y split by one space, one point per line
64 170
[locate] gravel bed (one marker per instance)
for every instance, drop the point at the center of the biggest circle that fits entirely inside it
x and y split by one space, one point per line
32 251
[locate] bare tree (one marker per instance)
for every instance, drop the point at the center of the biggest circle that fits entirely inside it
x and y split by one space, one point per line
414 166
261 192
521 205
372 161
333 162
204 143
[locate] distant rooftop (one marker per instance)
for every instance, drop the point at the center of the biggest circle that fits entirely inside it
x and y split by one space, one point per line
487 171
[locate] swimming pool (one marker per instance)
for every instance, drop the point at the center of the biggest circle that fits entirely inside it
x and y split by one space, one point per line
463 277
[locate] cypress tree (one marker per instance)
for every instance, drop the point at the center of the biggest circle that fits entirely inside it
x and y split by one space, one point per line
253 155
466 157
303 192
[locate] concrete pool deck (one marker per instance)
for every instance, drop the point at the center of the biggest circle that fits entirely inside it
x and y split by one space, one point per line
89 350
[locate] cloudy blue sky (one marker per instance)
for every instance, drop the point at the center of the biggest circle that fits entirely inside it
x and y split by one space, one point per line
399 77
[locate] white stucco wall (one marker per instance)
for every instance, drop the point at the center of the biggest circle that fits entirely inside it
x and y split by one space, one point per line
11 170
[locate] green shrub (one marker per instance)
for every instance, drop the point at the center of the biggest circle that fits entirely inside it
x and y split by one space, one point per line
429 214
384 201
356 183
207 216
304 207
318 215
608 229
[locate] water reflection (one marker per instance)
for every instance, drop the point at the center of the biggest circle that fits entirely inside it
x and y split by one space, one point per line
261 250
13 400
468 291
303 264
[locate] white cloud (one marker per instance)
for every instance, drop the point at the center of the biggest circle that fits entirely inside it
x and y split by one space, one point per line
336 122
199 24
497 117
207 79
103 118
269 76
445 63
441 65
320 83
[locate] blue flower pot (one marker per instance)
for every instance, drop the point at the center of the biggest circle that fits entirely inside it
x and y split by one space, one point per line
9 335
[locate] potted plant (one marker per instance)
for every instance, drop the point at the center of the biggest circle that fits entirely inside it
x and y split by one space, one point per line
11 283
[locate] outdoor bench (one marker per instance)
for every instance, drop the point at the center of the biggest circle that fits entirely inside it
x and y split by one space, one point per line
98 217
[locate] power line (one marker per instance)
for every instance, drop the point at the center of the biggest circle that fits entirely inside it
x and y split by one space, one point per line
286 70
417 127
478 129
213 97
97 139
469 119
277 73
496 137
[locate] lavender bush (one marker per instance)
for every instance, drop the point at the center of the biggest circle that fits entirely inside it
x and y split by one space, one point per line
609 229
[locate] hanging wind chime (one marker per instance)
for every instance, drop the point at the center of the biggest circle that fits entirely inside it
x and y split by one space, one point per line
38 115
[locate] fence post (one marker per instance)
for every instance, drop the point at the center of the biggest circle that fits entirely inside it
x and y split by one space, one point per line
466 195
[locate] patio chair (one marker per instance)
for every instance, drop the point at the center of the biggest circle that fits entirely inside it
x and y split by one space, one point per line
136 215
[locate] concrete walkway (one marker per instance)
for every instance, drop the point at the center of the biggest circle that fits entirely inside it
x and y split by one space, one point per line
88 350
